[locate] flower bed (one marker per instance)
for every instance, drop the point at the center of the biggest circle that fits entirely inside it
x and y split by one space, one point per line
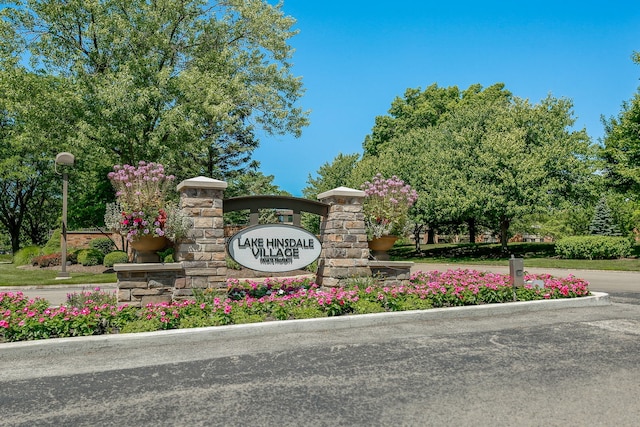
94 313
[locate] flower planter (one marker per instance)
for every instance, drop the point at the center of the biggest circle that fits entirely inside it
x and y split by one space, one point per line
145 248
379 246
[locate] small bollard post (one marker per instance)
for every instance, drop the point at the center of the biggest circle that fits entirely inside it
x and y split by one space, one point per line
516 274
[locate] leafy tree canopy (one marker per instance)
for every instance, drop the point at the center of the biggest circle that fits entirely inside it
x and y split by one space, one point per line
331 175
34 123
621 151
185 83
252 183
490 157
422 109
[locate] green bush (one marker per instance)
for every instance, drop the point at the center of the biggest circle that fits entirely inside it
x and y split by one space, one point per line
89 257
593 247
25 255
115 257
232 264
72 255
103 244
53 244
313 267
166 255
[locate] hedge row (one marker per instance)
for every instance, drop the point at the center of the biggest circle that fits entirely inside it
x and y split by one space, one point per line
593 247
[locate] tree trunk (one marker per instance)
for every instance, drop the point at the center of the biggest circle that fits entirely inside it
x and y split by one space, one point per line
417 229
431 236
13 224
471 224
504 234
15 242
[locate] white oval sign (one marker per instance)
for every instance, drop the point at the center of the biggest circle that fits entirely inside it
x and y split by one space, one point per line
274 247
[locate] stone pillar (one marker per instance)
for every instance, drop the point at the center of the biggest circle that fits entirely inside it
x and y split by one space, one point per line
345 252
202 252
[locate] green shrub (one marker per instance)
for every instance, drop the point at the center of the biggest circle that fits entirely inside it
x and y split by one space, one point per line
313 267
103 244
53 244
25 255
89 257
72 255
232 264
115 257
166 255
593 247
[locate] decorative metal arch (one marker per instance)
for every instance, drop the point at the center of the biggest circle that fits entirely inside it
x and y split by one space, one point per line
255 203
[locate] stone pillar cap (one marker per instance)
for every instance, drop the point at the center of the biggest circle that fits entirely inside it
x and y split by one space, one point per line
202 182
341 192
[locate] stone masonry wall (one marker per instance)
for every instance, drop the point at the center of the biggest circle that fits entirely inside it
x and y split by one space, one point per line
153 283
201 255
343 236
203 251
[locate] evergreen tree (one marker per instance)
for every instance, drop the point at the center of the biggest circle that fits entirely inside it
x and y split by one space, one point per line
602 222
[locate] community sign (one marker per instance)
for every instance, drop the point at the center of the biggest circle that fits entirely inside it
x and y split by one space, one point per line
274 247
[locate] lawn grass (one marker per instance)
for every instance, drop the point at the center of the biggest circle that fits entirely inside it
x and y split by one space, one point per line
535 254
10 275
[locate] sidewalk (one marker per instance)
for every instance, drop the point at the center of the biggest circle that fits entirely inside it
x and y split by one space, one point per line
57 294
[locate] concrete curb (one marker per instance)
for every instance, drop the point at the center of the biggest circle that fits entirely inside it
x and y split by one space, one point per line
140 340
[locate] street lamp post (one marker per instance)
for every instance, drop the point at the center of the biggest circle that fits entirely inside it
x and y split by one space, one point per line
64 159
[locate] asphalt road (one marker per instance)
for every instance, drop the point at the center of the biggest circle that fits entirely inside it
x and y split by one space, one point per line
569 367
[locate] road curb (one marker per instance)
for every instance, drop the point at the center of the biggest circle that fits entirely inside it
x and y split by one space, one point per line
140 340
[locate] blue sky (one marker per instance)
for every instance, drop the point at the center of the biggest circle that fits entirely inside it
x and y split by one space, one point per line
356 56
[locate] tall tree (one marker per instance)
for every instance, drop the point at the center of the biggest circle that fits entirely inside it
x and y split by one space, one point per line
253 183
185 83
621 151
417 109
490 159
33 122
329 176
530 160
602 222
